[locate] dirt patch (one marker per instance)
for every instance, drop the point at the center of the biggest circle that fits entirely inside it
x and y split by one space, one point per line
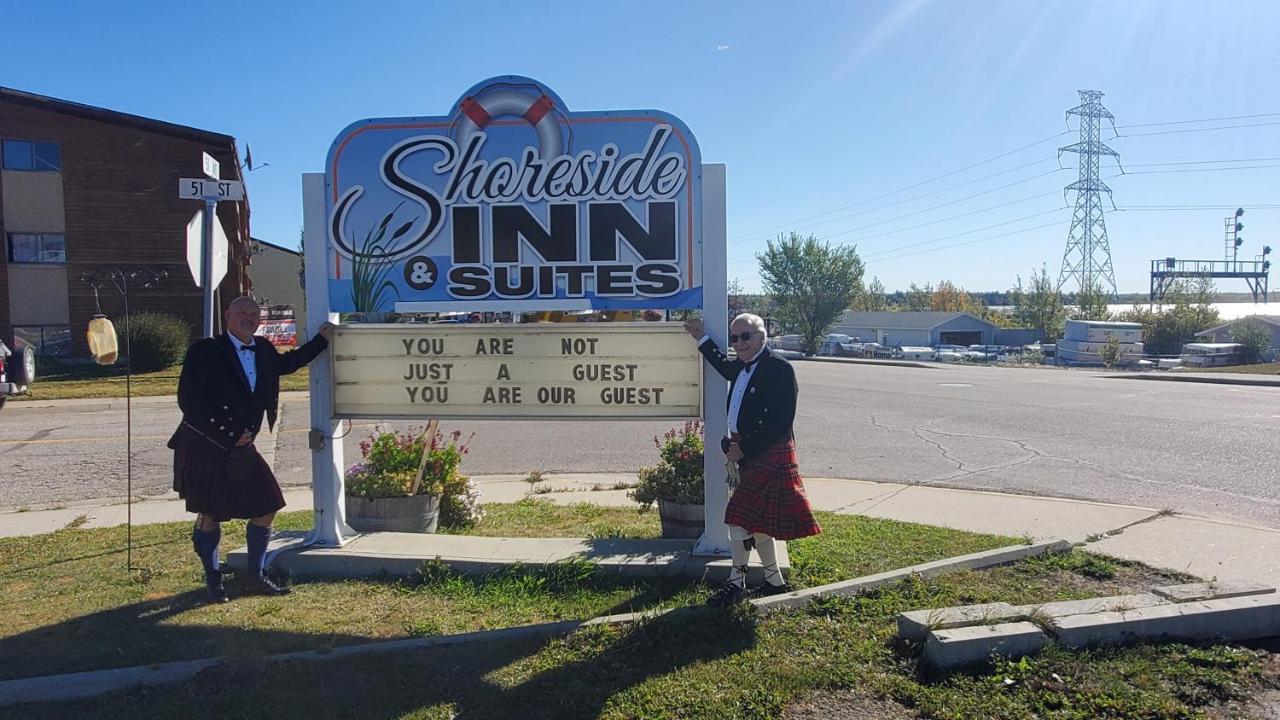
847 705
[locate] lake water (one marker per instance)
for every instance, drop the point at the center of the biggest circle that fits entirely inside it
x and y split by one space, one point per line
1227 311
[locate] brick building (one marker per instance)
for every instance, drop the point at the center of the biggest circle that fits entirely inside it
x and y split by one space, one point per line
83 188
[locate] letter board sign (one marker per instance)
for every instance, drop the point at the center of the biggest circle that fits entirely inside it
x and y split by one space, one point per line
593 370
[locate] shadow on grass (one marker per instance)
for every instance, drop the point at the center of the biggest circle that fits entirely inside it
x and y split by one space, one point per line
165 629
529 678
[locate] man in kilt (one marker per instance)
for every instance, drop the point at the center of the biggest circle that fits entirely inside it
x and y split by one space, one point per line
768 502
228 382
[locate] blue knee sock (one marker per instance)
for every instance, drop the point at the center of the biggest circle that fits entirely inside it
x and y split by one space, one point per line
206 543
257 537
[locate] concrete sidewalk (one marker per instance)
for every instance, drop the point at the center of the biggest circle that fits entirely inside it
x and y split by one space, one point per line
1208 548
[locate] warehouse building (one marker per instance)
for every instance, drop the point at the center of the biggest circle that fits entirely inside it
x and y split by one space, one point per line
86 189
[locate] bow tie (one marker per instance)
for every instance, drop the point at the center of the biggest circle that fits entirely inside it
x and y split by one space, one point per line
247 348
754 361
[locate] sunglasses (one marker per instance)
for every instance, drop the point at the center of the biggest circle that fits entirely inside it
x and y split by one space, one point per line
744 337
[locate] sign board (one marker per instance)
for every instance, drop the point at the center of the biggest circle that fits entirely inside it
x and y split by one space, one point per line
212 168
203 189
513 202
613 370
194 259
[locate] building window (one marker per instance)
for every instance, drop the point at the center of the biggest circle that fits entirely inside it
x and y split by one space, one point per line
48 340
36 155
36 248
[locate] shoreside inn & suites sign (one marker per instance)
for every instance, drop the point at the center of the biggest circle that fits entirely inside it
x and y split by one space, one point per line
514 202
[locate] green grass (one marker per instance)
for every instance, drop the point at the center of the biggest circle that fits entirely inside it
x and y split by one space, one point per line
59 588
70 382
1272 368
75 608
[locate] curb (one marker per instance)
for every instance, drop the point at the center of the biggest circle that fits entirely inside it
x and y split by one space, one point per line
1225 379
92 683
865 361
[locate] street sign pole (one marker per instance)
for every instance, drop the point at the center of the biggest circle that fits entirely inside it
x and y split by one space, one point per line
209 191
206 265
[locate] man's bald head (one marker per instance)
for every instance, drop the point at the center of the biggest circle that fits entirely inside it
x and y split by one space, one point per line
243 316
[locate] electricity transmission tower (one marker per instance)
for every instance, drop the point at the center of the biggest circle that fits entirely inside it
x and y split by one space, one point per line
1088 255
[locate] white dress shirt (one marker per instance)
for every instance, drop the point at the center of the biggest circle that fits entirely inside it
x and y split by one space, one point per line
740 391
247 361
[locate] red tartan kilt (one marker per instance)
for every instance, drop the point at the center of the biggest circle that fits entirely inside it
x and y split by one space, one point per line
770 496
200 477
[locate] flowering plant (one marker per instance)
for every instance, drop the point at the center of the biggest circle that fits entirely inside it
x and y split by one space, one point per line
389 465
678 475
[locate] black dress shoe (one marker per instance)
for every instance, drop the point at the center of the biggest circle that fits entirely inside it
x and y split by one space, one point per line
218 593
263 586
727 595
767 589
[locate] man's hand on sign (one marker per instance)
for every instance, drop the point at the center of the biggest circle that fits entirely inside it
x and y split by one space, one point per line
693 326
326 329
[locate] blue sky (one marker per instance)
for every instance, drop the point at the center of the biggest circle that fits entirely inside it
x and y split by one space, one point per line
824 112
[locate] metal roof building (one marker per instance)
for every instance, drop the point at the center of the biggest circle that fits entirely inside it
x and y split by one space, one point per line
917 328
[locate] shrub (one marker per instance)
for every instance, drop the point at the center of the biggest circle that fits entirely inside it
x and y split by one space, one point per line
390 461
678 475
155 340
1254 337
1110 352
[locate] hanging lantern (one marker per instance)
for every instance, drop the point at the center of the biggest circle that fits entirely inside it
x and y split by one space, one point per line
102 340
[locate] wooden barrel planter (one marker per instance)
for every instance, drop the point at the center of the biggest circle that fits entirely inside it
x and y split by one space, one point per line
410 514
680 520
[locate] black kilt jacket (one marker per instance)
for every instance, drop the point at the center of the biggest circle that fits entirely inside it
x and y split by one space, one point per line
769 405
214 393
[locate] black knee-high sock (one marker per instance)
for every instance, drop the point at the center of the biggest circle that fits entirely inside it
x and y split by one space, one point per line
257 537
205 543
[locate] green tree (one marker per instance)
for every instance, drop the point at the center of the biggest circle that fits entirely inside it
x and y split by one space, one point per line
916 299
1164 332
1255 338
811 282
1091 303
873 299
1039 305
1110 352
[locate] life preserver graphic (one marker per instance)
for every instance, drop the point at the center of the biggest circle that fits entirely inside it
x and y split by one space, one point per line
538 110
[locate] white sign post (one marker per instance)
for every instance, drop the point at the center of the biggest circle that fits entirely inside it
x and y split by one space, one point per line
211 192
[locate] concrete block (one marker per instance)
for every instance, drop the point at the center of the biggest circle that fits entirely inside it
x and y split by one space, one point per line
1210 591
960 647
916 624
1117 603
1237 619
402 554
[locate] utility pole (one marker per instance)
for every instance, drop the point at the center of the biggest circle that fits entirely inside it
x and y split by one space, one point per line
1088 254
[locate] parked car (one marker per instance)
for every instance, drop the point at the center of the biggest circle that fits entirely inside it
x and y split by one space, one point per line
793 343
834 345
17 369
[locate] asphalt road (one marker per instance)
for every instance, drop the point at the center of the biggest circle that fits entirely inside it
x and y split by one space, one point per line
1203 449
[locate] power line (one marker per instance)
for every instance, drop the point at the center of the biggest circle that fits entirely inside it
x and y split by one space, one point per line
1203 162
1162 208
946 219
1188 122
1195 130
754 234
1188 170
966 232
968 242
918 184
